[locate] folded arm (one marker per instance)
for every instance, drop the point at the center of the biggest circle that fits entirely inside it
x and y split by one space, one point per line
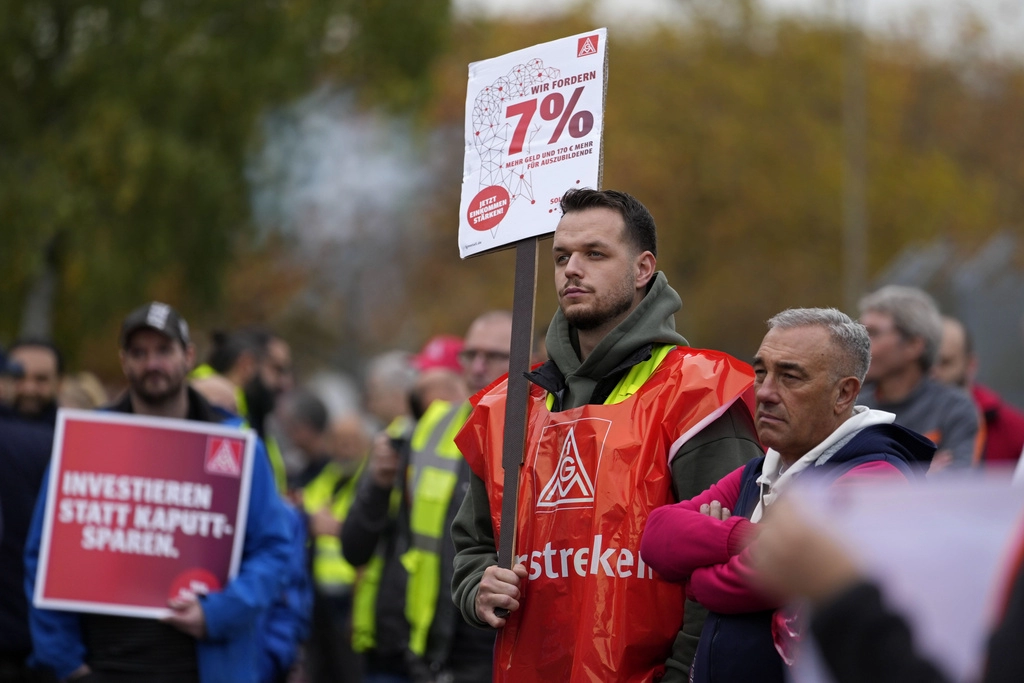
680 538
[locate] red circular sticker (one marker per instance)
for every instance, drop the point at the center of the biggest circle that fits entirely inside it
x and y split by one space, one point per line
488 207
193 582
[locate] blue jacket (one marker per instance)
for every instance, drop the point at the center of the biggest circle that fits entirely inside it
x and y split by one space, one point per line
231 650
736 648
287 622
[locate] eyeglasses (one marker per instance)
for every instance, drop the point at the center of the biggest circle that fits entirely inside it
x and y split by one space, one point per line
467 356
876 332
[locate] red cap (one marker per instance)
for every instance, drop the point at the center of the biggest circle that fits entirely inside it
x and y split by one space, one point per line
440 352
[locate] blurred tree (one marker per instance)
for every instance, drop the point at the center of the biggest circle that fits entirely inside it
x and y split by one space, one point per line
125 129
386 48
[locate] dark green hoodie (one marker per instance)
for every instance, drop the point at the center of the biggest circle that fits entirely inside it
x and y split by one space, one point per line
651 322
727 443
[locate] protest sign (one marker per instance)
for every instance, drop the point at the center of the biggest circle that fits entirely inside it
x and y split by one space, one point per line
942 552
534 120
141 509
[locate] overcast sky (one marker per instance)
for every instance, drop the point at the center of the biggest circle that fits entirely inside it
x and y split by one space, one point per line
1003 19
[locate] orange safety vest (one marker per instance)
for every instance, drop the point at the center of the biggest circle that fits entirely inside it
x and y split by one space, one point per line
591 609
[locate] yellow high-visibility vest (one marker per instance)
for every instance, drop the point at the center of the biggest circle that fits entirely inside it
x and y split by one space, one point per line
364 599
433 475
331 573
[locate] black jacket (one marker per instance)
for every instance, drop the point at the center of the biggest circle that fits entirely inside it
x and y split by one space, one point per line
24 456
452 644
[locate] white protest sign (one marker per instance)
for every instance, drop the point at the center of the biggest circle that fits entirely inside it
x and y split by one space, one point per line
534 120
941 551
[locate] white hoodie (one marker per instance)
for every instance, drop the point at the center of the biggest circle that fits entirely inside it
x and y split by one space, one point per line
774 478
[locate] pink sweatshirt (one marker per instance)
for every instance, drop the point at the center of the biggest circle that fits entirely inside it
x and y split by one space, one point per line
682 544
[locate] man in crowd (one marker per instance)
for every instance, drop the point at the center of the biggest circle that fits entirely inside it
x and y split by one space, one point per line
25 447
257 367
957 366
389 379
327 488
439 375
38 368
622 419
274 377
905 329
808 372
410 544
213 638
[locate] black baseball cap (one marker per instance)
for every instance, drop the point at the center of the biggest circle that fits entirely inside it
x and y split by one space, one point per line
155 316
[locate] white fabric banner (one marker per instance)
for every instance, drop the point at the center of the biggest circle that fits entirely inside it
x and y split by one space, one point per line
942 552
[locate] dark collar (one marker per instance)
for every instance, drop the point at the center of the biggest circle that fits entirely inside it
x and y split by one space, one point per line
549 378
198 408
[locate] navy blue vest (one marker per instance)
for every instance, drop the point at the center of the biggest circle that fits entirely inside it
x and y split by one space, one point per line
738 648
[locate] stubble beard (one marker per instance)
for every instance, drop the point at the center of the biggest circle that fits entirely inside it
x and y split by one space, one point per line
595 316
157 398
33 407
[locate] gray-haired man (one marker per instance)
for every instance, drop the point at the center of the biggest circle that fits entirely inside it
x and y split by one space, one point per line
905 330
808 372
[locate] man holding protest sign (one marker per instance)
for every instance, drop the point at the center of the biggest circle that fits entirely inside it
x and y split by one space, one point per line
623 418
205 638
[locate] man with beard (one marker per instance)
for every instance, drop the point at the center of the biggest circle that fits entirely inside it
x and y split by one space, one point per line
212 638
623 418
25 447
273 377
38 367
258 365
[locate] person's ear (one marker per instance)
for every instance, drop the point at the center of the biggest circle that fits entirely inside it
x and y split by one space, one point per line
646 267
847 391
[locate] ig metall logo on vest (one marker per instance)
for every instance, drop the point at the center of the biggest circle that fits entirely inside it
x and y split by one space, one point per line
579 447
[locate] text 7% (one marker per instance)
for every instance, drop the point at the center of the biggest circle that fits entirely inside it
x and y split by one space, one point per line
552 107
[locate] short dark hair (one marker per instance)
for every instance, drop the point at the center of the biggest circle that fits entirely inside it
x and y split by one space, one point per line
307 408
39 343
227 347
640 228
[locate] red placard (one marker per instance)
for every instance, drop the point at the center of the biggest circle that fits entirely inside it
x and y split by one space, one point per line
140 509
